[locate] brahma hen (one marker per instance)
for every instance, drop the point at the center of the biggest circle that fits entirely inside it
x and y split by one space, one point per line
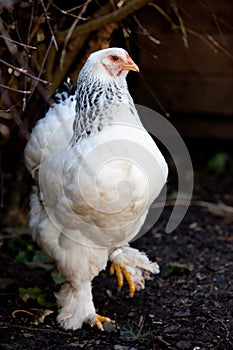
97 171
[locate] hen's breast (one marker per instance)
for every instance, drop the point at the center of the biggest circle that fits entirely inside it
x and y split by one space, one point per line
108 183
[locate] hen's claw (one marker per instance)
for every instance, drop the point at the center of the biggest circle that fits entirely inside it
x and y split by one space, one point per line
121 273
100 320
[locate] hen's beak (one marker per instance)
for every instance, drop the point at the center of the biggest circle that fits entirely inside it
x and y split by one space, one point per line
130 65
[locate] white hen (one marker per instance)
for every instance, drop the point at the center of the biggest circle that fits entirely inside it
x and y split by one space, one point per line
97 171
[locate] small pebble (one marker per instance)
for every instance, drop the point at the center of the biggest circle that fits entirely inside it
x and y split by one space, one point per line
184 313
171 329
184 345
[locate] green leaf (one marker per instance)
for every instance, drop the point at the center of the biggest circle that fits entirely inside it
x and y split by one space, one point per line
218 162
29 293
43 296
10 346
28 335
11 229
175 269
43 301
22 257
40 256
180 267
80 344
132 333
57 277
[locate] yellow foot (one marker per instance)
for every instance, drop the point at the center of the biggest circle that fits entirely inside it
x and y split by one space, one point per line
100 320
122 273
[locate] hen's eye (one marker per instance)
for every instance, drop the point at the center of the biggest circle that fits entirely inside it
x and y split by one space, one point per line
115 58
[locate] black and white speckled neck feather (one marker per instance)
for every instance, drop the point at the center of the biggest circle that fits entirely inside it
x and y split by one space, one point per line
98 95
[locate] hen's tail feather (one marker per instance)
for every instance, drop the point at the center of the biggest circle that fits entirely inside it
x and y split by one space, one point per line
67 86
65 90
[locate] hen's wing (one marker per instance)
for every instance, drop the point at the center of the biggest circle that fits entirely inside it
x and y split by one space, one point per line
57 123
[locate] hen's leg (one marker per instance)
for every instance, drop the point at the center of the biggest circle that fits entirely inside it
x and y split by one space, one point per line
79 265
76 307
132 265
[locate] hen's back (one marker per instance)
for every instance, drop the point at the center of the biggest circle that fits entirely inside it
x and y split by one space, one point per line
57 125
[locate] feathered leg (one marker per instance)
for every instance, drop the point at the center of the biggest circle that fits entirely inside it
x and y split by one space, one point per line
134 266
78 264
76 307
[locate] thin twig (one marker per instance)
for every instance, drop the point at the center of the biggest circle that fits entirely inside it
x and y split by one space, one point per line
206 6
68 36
162 12
24 311
42 66
48 23
16 116
16 90
67 12
30 22
181 22
24 71
10 45
177 27
36 329
215 19
145 32
18 43
15 26
40 20
66 42
27 57
219 46
221 322
30 36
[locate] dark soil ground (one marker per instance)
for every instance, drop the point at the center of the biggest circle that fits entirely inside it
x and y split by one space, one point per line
186 306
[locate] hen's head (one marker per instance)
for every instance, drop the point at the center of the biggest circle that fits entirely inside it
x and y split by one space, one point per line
110 63
102 90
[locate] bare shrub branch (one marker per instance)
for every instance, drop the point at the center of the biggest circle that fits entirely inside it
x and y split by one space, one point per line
24 71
